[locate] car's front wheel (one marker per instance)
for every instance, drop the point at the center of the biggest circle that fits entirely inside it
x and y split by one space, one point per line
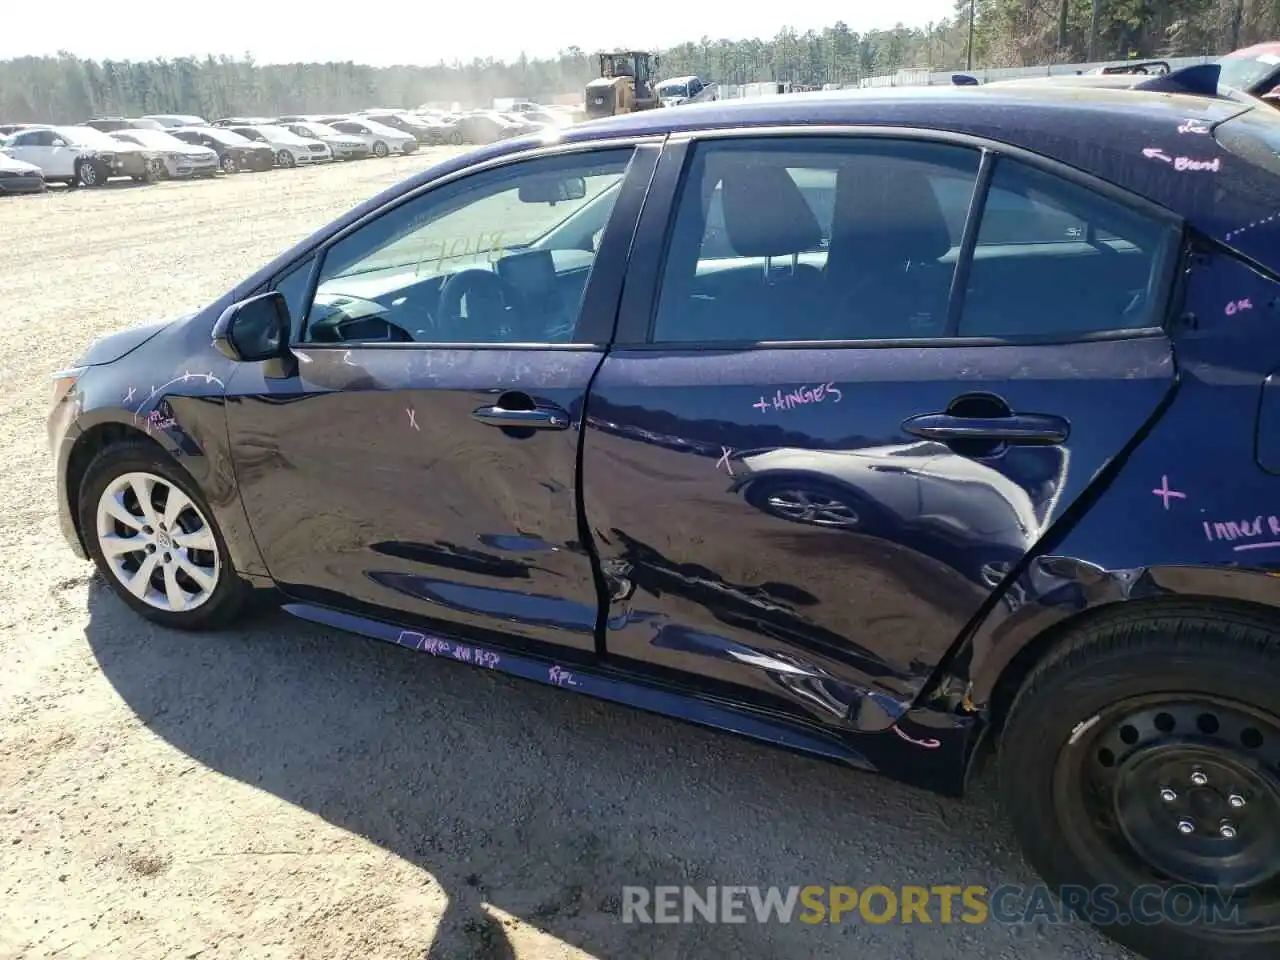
90 173
154 539
285 159
1140 765
380 149
228 163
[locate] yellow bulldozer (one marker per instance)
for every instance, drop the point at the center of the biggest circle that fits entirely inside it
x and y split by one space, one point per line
625 85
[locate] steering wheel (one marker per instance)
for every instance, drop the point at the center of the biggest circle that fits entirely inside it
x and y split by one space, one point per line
485 296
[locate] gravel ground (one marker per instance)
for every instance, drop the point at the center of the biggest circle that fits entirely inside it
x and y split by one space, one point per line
287 791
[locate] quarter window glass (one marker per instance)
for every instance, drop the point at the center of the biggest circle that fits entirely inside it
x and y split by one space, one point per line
806 239
1055 258
501 257
293 285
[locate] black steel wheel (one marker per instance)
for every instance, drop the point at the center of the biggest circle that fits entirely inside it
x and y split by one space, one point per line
1143 756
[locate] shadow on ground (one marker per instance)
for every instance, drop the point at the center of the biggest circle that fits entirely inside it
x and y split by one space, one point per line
546 804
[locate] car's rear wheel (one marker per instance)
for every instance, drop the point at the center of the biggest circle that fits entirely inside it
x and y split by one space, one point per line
455 138
380 149
1143 758
154 540
285 159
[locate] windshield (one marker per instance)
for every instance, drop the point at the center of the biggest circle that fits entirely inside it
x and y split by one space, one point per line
89 137
318 130
673 90
447 242
222 135
272 132
154 138
1246 72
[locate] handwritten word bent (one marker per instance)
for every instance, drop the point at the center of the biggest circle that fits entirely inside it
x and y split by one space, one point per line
561 677
443 648
1164 491
1183 163
1193 126
725 454
802 397
1235 306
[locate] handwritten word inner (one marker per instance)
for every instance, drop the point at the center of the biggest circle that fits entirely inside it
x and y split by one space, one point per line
1234 531
804 396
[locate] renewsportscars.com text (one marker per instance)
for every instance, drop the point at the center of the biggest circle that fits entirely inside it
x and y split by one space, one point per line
946 903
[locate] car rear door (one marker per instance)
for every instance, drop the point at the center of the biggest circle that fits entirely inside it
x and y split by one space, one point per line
843 404
420 468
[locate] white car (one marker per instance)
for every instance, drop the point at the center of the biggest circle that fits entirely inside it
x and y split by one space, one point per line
381 140
81 156
177 120
17 176
343 146
181 159
290 149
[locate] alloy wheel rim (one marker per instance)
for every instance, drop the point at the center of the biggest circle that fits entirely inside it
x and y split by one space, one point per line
157 543
1182 792
808 507
89 174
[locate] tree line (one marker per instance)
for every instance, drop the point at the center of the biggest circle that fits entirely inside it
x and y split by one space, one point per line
67 88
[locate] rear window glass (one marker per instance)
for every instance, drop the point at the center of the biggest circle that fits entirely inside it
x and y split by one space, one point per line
1253 137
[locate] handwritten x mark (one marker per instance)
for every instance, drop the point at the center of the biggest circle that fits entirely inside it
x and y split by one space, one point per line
413 419
726 453
128 397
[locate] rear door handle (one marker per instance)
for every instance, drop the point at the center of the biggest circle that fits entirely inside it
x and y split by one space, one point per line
541 418
1017 428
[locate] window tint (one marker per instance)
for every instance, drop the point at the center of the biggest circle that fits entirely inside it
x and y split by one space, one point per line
814 239
500 257
1055 258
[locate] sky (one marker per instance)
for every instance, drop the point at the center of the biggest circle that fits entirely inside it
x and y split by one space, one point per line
407 32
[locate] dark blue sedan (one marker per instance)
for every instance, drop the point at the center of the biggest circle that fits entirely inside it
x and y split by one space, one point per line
884 426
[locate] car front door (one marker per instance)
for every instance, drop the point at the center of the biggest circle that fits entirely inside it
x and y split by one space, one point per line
844 404
421 466
37 146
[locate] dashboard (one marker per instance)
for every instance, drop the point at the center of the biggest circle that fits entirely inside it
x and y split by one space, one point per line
527 296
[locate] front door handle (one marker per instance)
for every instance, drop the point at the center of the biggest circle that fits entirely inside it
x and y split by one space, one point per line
540 418
1016 428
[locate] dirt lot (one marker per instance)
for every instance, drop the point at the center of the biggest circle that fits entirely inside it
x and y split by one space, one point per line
291 792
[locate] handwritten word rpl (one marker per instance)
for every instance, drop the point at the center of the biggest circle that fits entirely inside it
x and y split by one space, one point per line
802 397
561 677
1235 306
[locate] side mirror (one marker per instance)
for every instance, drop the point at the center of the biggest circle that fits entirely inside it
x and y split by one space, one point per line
552 189
255 330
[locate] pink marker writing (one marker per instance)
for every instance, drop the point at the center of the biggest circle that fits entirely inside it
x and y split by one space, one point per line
1235 306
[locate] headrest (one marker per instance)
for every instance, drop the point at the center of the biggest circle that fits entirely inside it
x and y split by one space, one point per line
765 214
886 211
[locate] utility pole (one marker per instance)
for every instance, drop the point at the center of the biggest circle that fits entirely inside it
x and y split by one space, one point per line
968 59
1093 31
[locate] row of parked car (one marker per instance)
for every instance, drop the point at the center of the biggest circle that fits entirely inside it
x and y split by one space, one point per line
178 146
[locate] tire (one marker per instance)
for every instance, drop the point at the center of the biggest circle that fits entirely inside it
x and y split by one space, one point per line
1129 753
380 149
228 163
215 596
455 138
90 173
285 159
